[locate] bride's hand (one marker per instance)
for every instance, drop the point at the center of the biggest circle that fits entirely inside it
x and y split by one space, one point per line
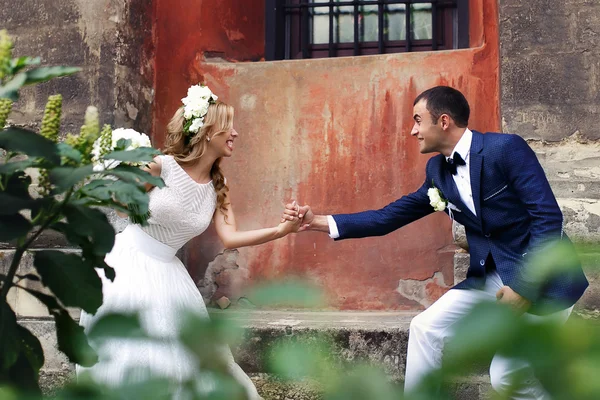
291 224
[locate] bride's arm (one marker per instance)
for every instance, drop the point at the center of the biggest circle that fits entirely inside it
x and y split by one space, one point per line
232 238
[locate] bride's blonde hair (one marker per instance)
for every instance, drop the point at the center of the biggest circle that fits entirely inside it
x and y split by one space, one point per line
187 148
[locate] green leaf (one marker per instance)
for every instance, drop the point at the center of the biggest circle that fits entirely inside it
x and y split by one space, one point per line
297 360
117 325
18 184
11 89
288 293
93 223
23 376
72 340
30 143
70 278
64 178
365 382
10 168
17 64
109 271
64 150
31 348
43 74
488 328
122 144
204 338
12 204
135 175
139 154
13 227
10 345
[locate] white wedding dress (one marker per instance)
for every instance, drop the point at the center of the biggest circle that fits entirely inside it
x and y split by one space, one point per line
152 281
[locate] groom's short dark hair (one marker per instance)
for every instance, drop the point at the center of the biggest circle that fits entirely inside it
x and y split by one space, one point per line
446 100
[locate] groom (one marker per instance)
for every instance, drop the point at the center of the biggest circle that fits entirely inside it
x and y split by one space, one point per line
494 185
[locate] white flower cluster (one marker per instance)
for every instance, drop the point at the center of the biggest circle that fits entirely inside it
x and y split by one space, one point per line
436 200
104 145
195 106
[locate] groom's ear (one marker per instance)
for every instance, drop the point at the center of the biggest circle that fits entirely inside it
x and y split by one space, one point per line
445 121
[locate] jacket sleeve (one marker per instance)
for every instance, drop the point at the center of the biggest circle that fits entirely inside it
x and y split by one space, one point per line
380 222
527 179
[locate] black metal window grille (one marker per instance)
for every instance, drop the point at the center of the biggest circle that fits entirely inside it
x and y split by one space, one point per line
319 28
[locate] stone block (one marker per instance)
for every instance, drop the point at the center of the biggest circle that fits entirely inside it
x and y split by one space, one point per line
541 119
55 45
461 265
22 14
24 304
45 331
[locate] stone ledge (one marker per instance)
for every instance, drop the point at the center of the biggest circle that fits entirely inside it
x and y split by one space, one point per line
378 338
375 337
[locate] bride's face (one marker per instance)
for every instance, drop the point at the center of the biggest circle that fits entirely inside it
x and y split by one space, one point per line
223 143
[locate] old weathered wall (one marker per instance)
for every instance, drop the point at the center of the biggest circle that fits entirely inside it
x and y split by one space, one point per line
550 79
550 90
110 40
333 133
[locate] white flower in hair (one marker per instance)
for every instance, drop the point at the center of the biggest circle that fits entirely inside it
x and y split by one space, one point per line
196 125
195 107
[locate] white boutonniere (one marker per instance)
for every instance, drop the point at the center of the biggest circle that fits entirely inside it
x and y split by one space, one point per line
435 199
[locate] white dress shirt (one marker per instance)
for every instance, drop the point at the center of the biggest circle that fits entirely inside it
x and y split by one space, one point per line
462 179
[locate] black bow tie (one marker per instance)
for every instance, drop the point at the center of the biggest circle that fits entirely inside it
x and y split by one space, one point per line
455 161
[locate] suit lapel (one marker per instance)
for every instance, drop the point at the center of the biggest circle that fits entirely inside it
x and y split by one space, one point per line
476 162
449 189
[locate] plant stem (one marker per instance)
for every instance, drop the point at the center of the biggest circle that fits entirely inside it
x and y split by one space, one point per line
8 282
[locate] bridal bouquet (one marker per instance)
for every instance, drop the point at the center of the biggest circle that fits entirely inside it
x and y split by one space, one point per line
118 140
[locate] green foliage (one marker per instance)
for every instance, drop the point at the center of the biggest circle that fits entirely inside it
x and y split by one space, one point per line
5 109
68 199
51 121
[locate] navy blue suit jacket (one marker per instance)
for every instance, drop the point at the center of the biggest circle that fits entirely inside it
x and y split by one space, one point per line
517 213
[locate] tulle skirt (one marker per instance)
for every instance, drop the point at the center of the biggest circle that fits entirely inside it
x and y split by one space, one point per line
151 281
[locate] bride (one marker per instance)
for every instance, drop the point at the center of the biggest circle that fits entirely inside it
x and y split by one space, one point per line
149 278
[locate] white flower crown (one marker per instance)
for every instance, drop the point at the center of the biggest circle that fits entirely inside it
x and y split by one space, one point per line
195 107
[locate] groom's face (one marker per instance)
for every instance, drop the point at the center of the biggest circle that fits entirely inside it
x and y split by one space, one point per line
428 133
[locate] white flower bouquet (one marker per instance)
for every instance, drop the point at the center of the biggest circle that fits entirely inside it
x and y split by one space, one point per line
111 141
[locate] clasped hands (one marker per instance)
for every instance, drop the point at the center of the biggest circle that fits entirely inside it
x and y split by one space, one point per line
296 218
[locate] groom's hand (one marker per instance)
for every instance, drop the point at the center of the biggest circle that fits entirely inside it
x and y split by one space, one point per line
508 296
304 213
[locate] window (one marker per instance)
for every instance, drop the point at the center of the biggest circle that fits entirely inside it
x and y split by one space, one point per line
320 28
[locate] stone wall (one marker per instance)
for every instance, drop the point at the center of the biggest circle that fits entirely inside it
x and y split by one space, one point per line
550 76
110 40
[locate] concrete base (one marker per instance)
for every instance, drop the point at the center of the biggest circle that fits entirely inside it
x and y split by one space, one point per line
376 338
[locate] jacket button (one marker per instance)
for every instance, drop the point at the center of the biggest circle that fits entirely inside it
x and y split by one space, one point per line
487 235
482 263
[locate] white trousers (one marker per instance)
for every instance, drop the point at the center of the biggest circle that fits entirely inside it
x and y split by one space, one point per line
434 327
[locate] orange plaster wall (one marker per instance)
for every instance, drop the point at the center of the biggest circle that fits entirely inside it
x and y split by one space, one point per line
334 133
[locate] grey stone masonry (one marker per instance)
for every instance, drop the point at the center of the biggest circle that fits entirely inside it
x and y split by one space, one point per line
110 40
550 68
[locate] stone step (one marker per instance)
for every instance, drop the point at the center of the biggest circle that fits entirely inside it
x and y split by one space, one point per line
376 338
